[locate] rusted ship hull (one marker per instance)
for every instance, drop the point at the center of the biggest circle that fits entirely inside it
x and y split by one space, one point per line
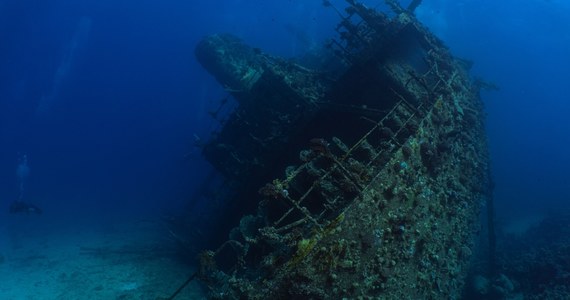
367 182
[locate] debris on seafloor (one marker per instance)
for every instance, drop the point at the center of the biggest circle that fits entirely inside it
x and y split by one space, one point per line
363 179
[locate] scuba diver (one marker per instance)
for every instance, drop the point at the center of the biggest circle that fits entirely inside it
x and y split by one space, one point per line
19 206
22 172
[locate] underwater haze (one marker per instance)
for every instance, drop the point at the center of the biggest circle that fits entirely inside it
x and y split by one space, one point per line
103 107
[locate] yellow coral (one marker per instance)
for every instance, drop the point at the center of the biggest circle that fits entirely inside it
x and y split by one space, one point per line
305 246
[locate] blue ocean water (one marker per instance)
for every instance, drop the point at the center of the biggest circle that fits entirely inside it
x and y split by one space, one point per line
105 99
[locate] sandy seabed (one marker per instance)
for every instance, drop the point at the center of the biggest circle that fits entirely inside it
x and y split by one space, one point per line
130 260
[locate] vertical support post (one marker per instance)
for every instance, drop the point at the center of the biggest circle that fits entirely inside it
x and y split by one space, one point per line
491 228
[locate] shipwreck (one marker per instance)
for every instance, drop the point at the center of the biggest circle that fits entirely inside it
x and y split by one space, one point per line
358 176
